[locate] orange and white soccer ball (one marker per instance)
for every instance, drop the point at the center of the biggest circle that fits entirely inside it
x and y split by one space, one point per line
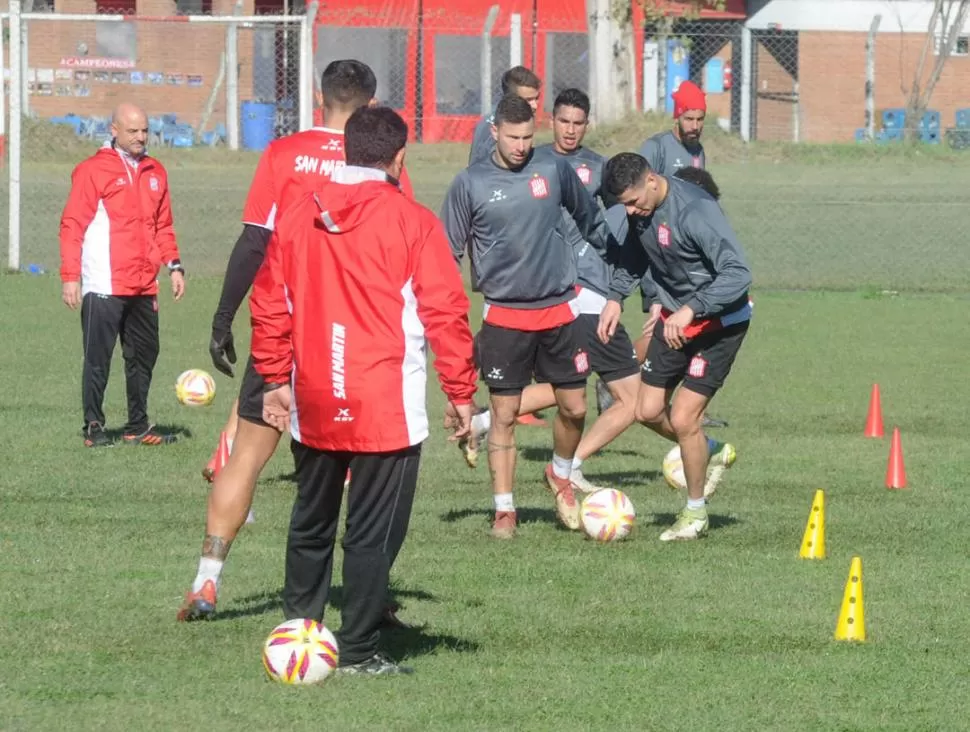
673 469
300 651
195 388
608 515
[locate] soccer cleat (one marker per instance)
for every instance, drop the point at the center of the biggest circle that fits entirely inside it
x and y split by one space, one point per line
531 420
604 400
691 524
710 421
347 480
720 460
376 665
581 483
504 525
199 605
567 507
150 436
209 471
95 436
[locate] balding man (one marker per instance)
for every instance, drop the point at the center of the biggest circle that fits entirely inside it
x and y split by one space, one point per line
116 232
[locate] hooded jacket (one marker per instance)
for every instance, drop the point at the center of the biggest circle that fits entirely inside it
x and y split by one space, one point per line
116 228
357 276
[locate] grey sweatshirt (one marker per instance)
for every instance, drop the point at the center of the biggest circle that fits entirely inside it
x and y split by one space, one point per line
692 253
510 221
666 154
482 142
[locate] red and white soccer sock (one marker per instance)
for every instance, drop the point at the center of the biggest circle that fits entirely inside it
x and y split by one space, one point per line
504 502
562 467
209 569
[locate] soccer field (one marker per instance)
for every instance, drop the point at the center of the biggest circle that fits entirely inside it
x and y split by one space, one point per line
549 631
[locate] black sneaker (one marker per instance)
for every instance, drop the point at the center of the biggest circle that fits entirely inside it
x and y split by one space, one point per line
713 422
376 665
604 400
150 436
95 436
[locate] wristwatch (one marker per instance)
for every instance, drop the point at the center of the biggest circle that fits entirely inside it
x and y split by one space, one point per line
176 266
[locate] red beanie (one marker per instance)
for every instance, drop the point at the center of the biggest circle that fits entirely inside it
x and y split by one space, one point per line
688 96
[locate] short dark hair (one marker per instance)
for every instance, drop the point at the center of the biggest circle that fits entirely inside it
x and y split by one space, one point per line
514 110
572 98
519 76
700 177
374 136
624 171
347 83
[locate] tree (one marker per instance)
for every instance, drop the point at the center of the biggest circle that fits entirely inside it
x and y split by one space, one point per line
946 25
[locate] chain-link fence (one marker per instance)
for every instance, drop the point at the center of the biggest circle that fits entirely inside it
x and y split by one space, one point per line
869 212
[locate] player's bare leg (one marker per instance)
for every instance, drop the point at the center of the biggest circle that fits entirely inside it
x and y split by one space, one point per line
230 427
567 431
501 461
686 415
534 398
229 502
608 426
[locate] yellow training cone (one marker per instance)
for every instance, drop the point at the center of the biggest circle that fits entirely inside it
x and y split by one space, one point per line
852 618
813 543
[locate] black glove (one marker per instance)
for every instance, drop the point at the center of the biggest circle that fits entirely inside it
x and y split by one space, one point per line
223 352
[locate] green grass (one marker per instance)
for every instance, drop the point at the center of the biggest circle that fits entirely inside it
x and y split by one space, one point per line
549 631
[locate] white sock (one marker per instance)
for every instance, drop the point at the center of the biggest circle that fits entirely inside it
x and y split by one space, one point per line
209 569
504 502
577 463
482 422
695 503
561 467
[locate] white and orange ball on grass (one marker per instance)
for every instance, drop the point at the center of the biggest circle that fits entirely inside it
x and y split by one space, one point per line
673 469
300 651
608 515
195 388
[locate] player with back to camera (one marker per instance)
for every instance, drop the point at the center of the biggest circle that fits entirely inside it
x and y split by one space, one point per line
289 168
702 280
506 211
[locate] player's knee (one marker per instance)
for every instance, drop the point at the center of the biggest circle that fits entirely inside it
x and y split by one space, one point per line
572 404
685 423
650 412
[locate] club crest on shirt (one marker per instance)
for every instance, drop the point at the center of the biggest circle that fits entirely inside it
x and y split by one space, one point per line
585 174
663 235
153 183
539 186
697 162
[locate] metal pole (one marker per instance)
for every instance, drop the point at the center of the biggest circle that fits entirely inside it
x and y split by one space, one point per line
871 78
515 40
796 114
3 97
16 92
747 60
419 77
306 66
232 80
486 70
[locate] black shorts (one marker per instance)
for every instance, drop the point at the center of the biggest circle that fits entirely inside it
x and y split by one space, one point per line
251 395
509 359
611 361
702 365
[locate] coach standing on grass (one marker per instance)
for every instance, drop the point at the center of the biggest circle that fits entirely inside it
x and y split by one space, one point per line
357 277
116 232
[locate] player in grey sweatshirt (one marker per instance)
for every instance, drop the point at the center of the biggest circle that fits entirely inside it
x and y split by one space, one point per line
680 234
507 212
519 81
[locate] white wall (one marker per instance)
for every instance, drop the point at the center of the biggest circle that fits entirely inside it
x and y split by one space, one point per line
908 16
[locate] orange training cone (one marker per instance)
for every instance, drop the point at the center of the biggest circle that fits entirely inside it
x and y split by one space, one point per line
874 419
896 470
222 454
851 625
813 542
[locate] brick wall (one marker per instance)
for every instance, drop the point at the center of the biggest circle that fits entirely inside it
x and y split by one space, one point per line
178 51
832 70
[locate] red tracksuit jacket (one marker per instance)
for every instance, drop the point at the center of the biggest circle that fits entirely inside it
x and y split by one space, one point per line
116 229
356 278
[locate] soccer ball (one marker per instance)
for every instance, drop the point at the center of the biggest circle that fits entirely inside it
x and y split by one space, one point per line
673 469
608 515
300 651
195 388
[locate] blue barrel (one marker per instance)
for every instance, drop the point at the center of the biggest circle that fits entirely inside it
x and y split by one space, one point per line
258 124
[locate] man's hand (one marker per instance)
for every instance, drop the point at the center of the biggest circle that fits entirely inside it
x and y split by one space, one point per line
71 294
276 408
652 317
674 327
178 285
223 353
461 421
609 319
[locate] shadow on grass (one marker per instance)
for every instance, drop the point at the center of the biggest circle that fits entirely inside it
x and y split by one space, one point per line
262 603
715 521
116 434
523 515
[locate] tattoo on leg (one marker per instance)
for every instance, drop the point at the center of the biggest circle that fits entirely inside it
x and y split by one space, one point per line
215 547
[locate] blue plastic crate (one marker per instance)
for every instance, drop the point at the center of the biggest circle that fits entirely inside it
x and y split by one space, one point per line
963 119
894 118
891 134
930 121
862 135
930 137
